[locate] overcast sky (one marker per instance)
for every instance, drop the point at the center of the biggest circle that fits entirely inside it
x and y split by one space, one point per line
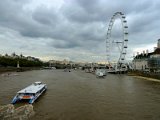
75 29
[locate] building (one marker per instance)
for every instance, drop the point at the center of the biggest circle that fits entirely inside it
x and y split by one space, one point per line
30 58
148 61
154 60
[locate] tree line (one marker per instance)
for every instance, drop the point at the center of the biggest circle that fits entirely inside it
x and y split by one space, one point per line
23 62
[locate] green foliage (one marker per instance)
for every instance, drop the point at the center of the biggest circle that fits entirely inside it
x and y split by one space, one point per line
23 62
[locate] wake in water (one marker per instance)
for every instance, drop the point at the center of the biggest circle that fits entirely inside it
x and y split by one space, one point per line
9 112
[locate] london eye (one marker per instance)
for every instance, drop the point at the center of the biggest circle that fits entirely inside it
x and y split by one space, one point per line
120 44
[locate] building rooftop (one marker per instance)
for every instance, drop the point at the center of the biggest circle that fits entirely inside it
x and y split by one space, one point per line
147 55
157 51
143 56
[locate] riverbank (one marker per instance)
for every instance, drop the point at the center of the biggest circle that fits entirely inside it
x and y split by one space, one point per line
146 78
147 75
15 69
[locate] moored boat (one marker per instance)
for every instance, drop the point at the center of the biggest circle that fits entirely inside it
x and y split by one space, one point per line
30 93
100 72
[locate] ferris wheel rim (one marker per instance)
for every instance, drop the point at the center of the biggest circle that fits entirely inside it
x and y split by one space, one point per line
123 51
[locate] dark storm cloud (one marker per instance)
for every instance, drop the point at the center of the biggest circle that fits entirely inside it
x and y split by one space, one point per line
83 11
14 16
65 45
46 16
142 16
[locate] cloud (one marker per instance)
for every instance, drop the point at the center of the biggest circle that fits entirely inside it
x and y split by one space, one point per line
74 25
45 16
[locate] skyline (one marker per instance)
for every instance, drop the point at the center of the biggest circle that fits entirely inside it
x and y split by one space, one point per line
74 29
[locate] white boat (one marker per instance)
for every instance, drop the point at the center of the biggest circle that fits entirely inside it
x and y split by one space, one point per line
100 73
30 93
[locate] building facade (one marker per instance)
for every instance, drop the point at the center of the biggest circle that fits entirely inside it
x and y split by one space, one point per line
148 61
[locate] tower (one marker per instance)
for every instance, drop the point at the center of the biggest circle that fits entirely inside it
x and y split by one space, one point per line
18 64
158 44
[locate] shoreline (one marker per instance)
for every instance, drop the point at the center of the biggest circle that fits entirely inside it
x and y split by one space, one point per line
146 78
15 69
145 74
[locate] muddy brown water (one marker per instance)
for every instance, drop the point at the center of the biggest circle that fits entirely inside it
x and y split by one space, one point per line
78 95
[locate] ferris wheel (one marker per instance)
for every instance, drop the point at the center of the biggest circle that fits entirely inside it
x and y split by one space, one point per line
120 44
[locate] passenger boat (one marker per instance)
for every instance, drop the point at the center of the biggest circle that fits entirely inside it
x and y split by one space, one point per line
30 93
100 72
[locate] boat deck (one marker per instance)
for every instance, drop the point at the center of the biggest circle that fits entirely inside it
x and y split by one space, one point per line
32 88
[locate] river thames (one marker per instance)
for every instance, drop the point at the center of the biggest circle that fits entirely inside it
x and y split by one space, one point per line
78 95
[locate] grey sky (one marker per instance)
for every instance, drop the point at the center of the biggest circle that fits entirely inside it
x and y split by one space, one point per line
74 29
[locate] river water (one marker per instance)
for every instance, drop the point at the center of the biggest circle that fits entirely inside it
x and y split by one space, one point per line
78 95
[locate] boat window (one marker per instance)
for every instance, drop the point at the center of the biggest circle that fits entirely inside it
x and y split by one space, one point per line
28 94
20 94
